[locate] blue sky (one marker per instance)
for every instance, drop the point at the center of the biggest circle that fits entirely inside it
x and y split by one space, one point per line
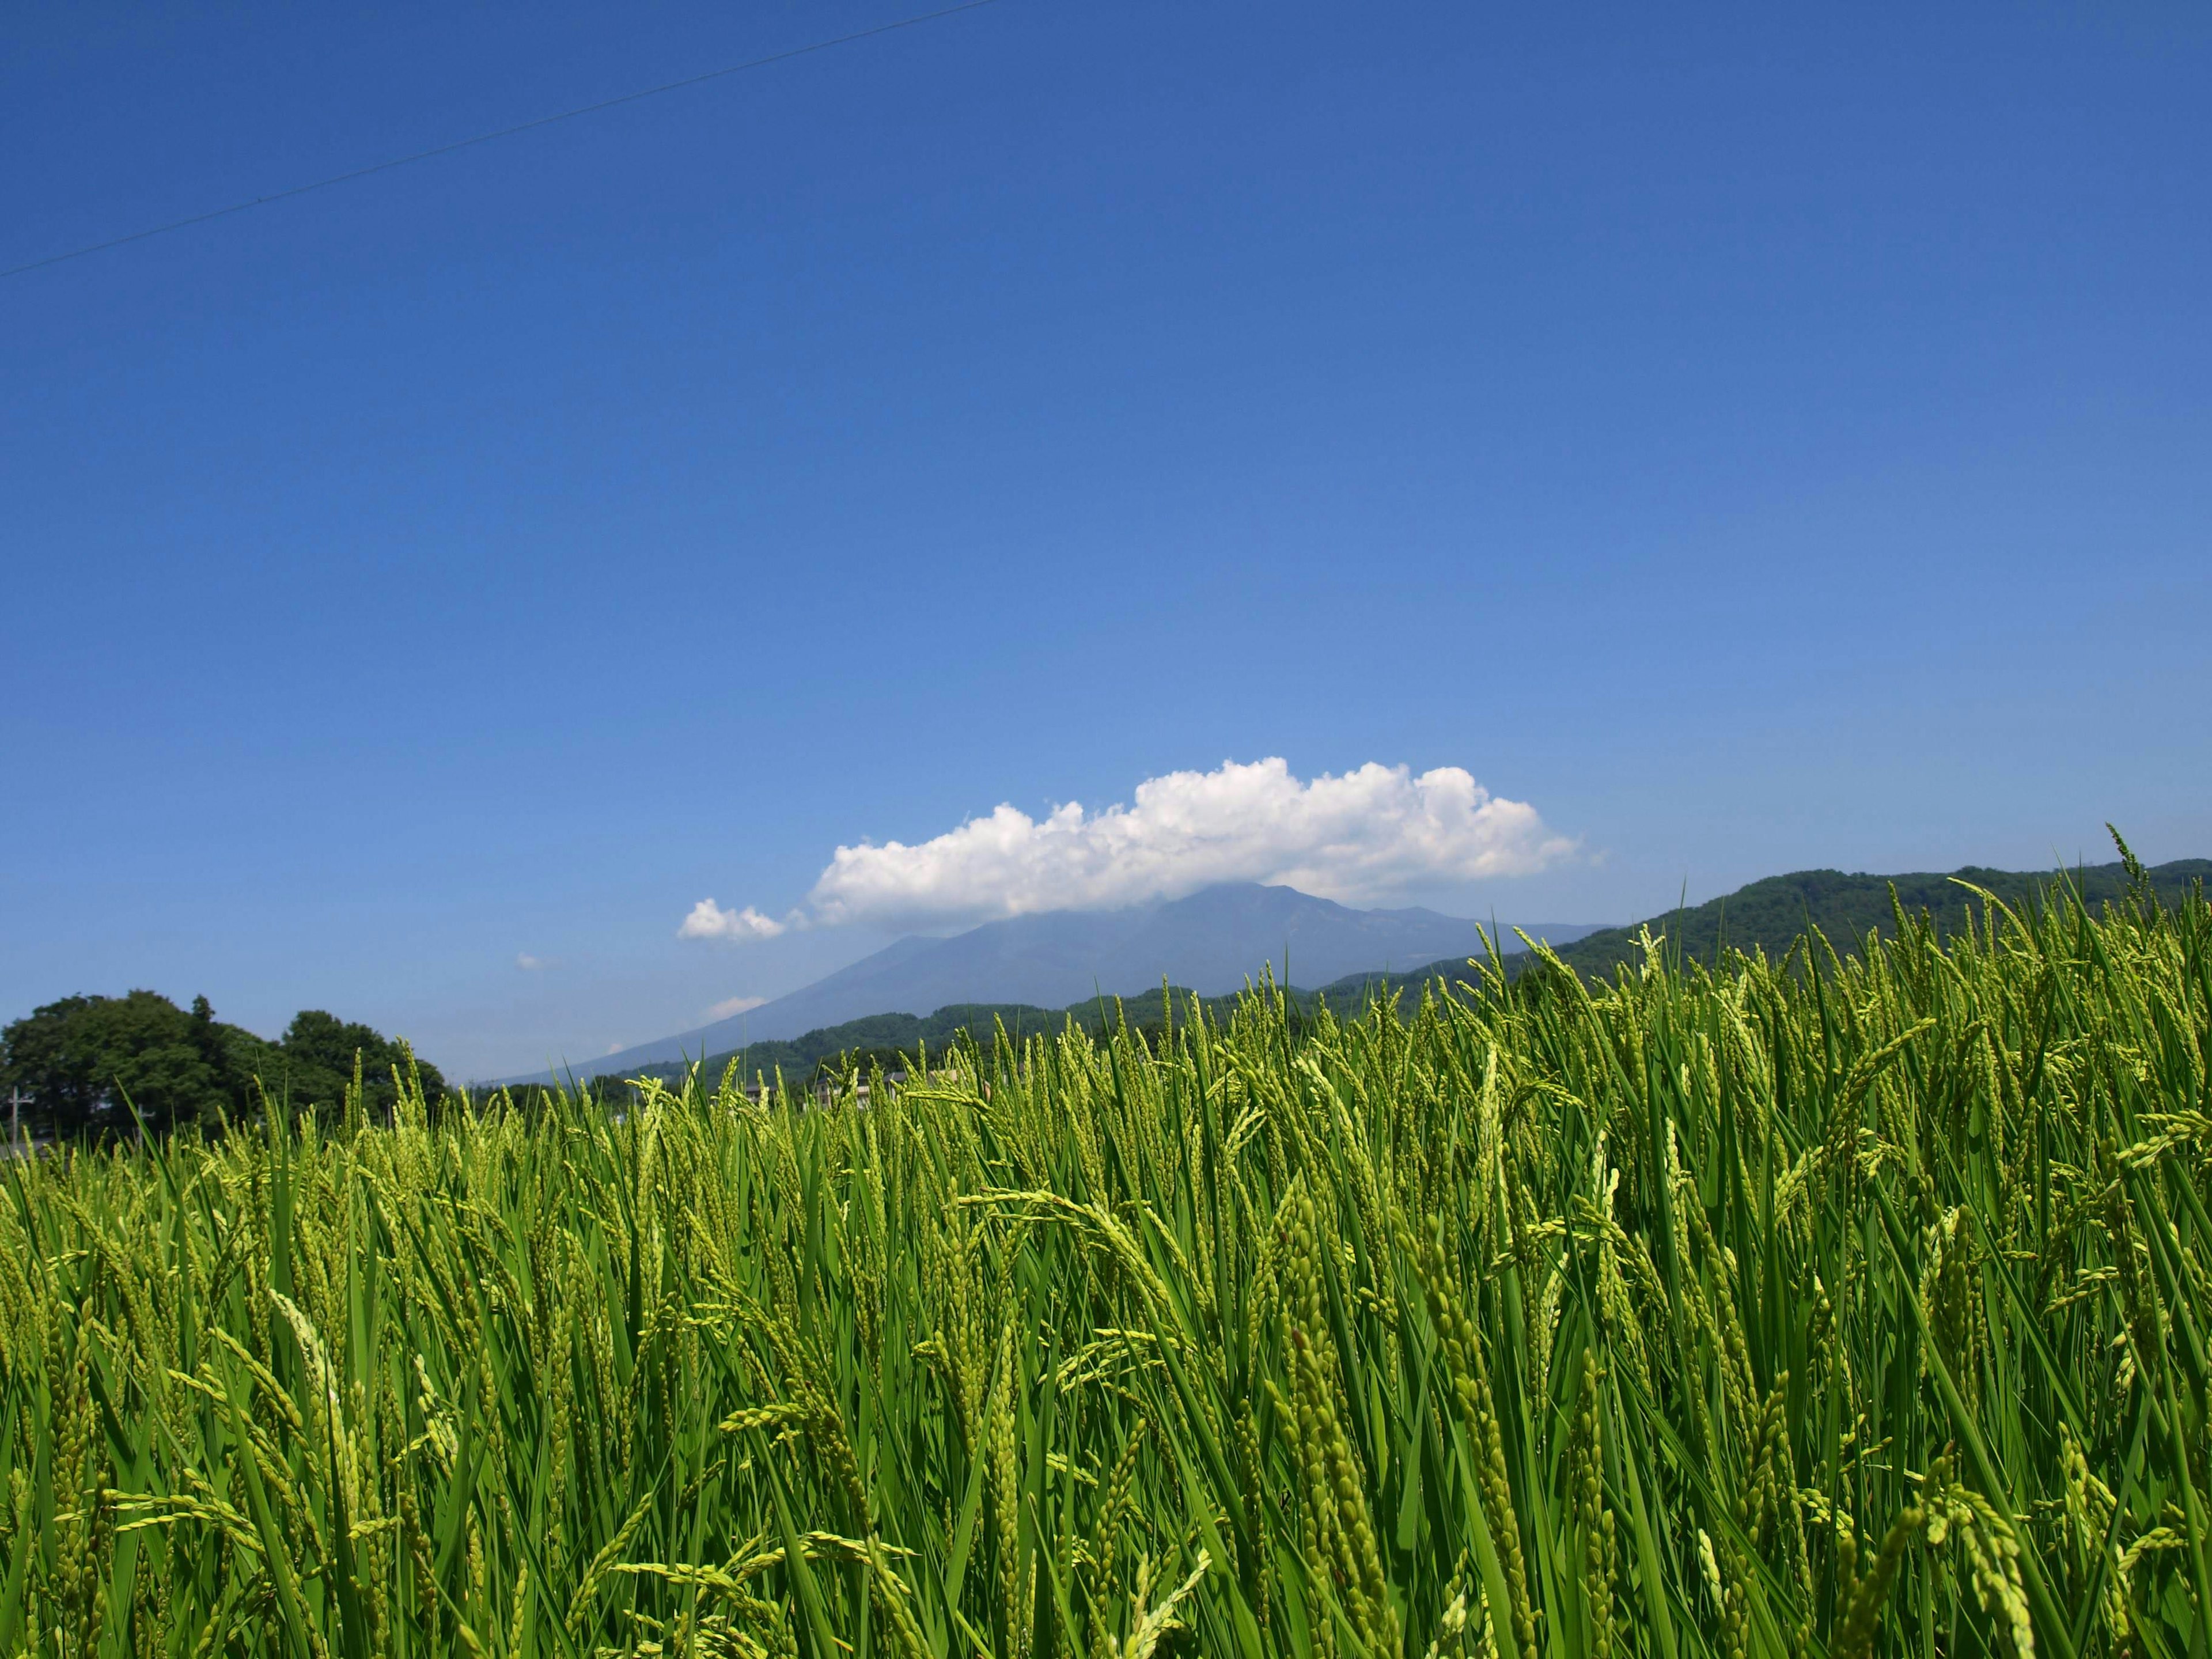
1754 439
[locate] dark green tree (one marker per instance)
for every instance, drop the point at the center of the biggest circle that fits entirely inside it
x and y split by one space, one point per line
317 1053
83 1062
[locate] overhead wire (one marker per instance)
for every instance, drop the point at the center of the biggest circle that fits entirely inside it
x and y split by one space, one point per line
437 150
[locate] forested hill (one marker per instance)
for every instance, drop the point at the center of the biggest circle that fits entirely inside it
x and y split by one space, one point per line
1773 914
891 1039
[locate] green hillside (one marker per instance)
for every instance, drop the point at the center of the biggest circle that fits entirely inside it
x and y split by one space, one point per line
889 1039
875 1037
1773 914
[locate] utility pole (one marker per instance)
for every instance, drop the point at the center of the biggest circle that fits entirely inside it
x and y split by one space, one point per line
14 1119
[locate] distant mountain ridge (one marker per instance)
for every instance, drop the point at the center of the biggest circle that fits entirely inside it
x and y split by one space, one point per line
1212 942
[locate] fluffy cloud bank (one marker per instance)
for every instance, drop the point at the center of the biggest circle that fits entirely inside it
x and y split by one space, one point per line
1358 838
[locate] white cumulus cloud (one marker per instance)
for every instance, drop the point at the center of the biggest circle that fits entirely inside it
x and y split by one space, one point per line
1357 837
709 921
733 1005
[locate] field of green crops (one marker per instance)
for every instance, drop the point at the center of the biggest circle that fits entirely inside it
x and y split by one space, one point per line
1813 1308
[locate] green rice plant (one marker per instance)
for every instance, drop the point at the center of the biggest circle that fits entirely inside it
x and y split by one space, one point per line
1851 1303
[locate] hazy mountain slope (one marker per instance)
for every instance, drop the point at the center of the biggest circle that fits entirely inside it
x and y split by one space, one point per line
895 998
1212 942
868 982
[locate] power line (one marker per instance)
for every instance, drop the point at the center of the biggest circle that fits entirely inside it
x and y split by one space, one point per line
502 132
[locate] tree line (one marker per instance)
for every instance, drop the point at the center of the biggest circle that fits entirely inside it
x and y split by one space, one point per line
77 1068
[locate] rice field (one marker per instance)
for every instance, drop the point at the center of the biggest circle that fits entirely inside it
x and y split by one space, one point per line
1827 1307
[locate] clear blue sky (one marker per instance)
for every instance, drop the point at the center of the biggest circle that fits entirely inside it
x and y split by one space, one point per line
1756 437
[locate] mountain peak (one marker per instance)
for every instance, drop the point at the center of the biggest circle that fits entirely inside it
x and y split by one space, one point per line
1212 941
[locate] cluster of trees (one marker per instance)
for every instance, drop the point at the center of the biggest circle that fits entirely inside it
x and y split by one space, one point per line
78 1067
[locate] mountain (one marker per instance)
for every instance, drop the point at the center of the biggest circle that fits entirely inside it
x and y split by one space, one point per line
1772 914
1208 934
1211 942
